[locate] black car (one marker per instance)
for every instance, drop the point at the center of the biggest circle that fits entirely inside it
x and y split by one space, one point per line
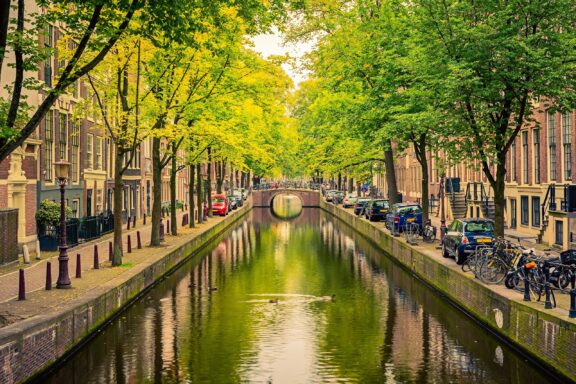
376 209
359 206
465 235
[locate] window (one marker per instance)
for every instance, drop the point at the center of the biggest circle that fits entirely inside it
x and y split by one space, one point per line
536 143
49 44
75 208
524 210
525 157
89 148
48 141
479 226
567 145
75 142
98 152
513 160
552 145
559 232
63 137
536 211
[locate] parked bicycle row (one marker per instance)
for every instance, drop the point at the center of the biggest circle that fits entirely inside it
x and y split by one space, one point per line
471 242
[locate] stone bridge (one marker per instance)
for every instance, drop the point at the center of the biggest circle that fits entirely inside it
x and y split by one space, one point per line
265 197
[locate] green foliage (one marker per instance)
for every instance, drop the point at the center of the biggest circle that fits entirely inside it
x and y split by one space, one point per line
49 213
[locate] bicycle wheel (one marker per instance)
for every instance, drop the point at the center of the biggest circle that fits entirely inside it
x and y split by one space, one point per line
493 271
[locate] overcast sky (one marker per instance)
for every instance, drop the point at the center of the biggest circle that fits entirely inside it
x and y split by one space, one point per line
271 44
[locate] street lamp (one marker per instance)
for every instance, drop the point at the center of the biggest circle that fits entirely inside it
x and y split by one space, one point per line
205 210
62 169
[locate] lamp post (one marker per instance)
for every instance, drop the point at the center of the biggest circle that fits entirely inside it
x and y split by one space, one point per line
62 171
205 209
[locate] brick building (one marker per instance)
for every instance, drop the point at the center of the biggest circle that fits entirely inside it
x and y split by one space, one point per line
539 166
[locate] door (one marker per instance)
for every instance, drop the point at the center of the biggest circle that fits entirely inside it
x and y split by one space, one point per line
513 212
89 203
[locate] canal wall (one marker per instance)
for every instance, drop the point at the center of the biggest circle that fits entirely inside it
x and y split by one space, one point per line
549 336
32 345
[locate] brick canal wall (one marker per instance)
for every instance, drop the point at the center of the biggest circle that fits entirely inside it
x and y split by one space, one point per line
263 199
548 336
28 347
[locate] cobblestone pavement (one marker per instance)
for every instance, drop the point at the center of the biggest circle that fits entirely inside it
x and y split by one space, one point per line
35 274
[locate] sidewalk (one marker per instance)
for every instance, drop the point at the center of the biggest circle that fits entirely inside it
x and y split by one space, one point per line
527 241
35 274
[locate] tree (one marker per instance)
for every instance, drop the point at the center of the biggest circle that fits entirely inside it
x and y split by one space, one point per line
489 62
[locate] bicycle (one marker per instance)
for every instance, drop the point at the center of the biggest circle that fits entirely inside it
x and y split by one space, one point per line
411 232
429 232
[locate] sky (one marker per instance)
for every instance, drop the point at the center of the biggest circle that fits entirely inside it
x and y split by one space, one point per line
271 44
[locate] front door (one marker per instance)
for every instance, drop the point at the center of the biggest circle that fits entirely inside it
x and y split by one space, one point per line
89 203
512 213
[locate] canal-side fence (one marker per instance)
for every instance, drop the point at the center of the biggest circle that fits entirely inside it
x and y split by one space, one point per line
77 231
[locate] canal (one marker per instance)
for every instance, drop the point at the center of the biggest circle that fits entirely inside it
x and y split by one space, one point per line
256 307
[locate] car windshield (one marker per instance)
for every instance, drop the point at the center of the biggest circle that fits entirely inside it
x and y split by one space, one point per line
409 210
363 202
380 204
218 199
479 226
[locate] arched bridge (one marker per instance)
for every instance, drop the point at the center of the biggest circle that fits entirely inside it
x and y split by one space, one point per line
265 197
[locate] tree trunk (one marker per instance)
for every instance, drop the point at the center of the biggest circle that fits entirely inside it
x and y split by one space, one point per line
209 186
499 201
118 187
232 179
390 173
339 181
420 149
173 174
219 176
351 185
199 193
191 207
359 188
156 192
4 19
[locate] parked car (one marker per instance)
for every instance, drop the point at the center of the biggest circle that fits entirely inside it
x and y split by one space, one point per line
349 200
402 214
239 198
330 196
464 235
376 209
232 201
338 197
359 206
220 205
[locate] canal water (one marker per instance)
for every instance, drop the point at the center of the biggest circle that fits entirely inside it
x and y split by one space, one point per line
257 307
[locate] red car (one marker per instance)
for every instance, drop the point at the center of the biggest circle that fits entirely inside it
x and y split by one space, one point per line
220 205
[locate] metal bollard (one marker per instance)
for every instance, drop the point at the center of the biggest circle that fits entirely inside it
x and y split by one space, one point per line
526 284
129 244
78 266
134 222
572 312
167 227
96 262
547 303
21 286
138 242
144 219
184 219
48 276
110 252
128 223
161 230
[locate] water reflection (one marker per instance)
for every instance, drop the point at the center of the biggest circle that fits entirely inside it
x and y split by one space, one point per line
253 309
286 206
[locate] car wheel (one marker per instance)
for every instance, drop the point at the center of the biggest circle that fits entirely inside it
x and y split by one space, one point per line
460 257
445 251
